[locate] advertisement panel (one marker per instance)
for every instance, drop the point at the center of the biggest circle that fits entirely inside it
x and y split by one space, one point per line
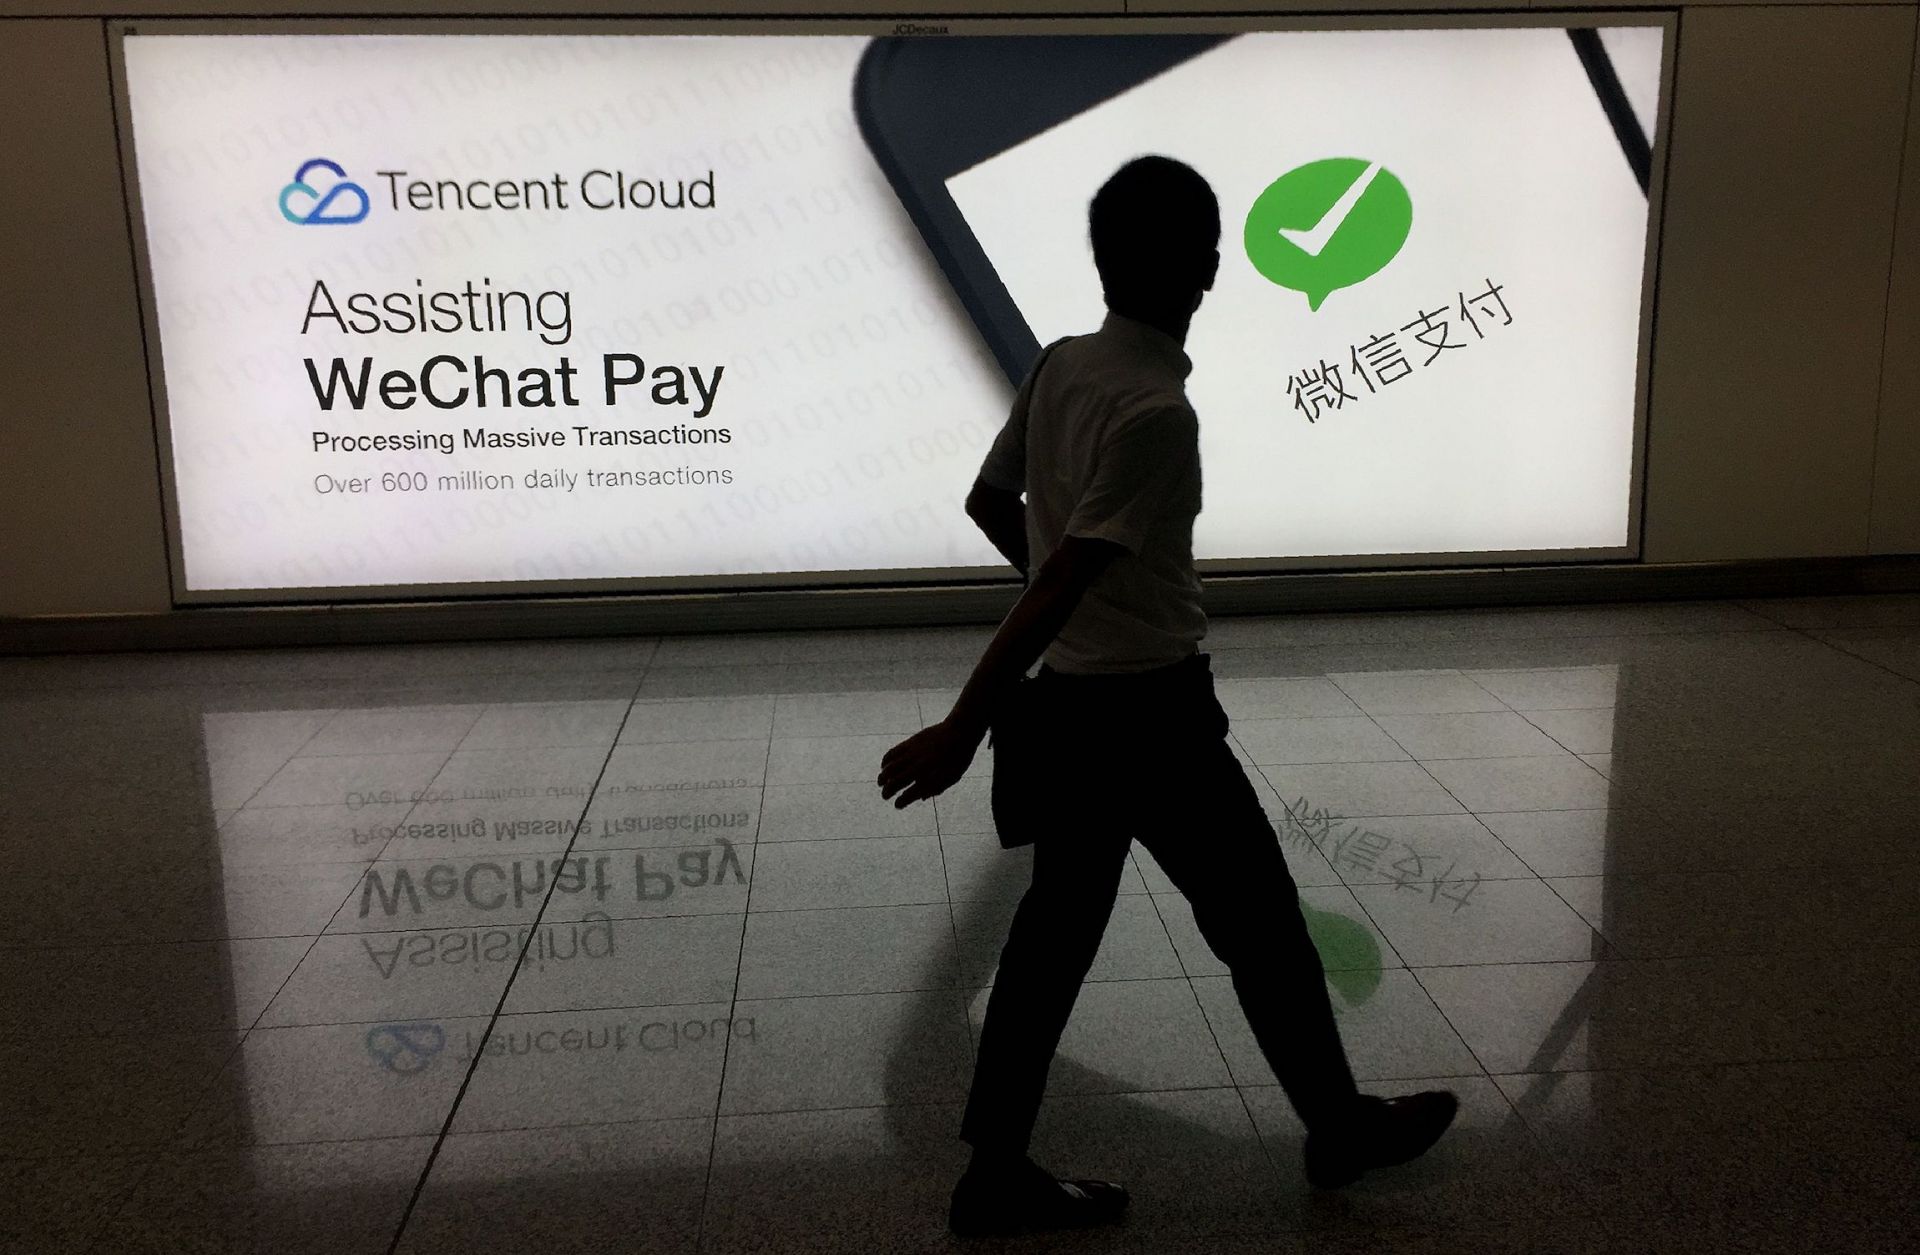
479 312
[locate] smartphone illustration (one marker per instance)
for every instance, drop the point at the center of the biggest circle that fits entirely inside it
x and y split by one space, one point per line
931 108
937 111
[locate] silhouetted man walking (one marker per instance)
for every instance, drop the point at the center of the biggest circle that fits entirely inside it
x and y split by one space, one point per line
1119 737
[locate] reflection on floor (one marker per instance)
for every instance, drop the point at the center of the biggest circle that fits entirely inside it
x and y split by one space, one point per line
612 945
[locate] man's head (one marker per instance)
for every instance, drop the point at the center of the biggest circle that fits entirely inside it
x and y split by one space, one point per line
1156 238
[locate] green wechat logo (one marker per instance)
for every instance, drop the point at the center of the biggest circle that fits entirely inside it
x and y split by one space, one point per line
1327 225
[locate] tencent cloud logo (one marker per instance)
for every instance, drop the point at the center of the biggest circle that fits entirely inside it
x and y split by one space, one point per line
335 201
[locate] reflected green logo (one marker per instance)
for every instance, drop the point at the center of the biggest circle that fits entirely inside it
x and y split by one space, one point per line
1348 952
1327 225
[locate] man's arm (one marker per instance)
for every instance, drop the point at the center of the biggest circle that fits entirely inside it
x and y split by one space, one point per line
1003 517
933 760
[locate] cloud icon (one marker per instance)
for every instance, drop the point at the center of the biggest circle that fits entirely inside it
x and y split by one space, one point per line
304 205
404 1048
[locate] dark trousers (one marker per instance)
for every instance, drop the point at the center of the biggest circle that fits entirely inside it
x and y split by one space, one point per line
1109 760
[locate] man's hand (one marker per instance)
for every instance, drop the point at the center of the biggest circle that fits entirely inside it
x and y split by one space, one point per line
928 763
932 760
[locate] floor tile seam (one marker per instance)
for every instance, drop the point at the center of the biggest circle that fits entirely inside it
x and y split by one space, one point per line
1515 1115
1344 883
478 710
845 781
1535 724
886 836
1740 872
398 825
1369 1077
1755 606
857 906
1808 632
506 991
96 1232
518 922
1755 1062
309 806
510 853
216 1147
152 945
459 748
1213 1032
398 683
1464 809
662 743
953 921
1768 624
733 1004
1609 942
258 789
554 852
611 847
502 1130
69 687
859 664
1442 967
965 987
1451 758
912 1104
1800 949
308 1025
1373 715
1452 1027
401 678
961 987
1563 751
1498 839
1429 814
127 1152
1381 728
413 804
175 1129
1371 921
9 947
626 742
1577 1171
1431 758
404 680
960 1102
1479 638
1875 663
12 1034
287 980
1647 961
1160 916
214 861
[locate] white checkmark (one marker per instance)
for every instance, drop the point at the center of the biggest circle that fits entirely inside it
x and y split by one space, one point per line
1311 240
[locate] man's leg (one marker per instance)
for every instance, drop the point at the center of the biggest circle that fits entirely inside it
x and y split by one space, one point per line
1226 860
1056 933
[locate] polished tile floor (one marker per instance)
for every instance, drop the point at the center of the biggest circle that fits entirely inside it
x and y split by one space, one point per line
612 946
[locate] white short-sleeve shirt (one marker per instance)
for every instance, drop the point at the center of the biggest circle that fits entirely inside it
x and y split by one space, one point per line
1104 444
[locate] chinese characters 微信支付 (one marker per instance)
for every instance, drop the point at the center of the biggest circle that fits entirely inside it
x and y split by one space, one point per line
1362 849
1383 361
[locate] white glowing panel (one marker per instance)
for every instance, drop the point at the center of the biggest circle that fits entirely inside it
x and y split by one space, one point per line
469 311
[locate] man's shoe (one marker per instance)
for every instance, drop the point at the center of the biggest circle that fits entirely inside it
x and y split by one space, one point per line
1030 1200
1386 1131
